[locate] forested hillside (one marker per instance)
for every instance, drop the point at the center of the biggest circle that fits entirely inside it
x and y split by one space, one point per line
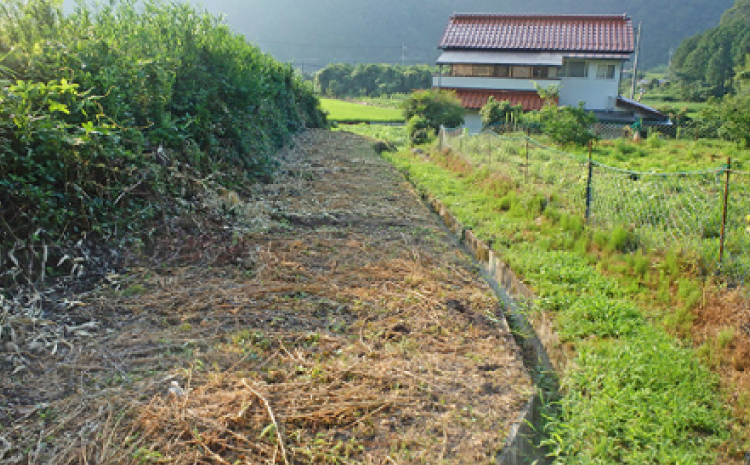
311 33
706 63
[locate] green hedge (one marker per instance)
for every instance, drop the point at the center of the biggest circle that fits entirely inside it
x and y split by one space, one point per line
85 99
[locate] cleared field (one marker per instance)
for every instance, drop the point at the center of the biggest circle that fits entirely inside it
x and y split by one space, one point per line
342 111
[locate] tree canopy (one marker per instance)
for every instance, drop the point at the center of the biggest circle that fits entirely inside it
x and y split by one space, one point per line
706 63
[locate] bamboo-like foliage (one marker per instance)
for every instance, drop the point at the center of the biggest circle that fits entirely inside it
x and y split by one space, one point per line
86 98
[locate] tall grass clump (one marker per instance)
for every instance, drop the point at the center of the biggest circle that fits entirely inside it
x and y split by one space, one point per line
97 108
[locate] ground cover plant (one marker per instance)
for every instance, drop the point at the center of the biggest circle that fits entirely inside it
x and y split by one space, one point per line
662 208
618 311
353 112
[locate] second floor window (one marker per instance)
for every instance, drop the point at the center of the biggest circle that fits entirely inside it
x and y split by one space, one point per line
576 69
504 71
604 71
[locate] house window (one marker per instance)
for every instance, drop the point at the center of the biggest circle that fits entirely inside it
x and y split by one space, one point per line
575 69
605 71
521 71
483 70
539 71
462 70
502 71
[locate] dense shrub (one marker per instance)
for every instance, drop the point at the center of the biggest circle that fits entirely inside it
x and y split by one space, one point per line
568 125
499 112
85 101
418 130
437 107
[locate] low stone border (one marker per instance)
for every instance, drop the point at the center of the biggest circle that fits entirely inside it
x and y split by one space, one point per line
542 352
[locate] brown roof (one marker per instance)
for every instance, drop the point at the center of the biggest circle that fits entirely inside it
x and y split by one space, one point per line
475 99
568 33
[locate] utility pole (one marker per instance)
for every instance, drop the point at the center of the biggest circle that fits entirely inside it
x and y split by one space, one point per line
403 54
635 62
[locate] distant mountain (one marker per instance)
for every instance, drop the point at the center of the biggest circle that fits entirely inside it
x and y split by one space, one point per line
312 33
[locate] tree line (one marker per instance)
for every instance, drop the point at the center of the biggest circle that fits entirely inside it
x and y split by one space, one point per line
371 80
706 64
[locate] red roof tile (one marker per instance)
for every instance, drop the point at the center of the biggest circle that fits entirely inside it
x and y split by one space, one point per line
570 33
475 99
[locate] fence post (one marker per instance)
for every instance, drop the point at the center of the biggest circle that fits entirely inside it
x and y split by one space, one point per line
588 185
722 238
489 149
440 138
526 168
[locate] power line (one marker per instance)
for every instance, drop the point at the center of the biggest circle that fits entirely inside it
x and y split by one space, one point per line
328 46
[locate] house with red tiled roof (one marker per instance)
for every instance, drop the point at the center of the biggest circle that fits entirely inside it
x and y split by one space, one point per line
506 55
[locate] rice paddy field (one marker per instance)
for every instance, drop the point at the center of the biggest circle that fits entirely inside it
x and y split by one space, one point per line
351 112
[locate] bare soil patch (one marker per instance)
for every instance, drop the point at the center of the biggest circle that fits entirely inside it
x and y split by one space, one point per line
721 333
326 318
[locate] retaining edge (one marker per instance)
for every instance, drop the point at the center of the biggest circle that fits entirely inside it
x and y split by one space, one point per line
541 348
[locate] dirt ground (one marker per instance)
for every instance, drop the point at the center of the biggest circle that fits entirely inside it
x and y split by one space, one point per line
326 318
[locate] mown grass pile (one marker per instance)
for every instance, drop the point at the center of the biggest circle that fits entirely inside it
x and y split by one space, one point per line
115 105
632 392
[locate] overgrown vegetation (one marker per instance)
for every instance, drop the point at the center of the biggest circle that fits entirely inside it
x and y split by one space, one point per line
109 108
496 112
425 111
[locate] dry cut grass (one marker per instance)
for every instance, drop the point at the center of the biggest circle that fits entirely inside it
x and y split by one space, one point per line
346 328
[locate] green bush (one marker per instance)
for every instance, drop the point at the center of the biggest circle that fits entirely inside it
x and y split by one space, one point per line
437 107
568 125
418 130
496 112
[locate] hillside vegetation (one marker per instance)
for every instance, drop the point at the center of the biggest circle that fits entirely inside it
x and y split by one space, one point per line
312 33
708 62
107 110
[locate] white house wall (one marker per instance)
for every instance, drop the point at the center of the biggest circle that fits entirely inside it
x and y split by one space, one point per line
598 94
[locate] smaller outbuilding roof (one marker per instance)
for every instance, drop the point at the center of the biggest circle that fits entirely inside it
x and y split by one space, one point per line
583 34
640 108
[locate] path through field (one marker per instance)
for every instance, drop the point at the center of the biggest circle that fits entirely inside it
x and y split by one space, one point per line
328 318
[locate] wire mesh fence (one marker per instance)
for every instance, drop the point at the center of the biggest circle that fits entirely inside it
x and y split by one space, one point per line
683 130
704 212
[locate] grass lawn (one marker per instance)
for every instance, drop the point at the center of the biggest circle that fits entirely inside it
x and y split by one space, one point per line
341 111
